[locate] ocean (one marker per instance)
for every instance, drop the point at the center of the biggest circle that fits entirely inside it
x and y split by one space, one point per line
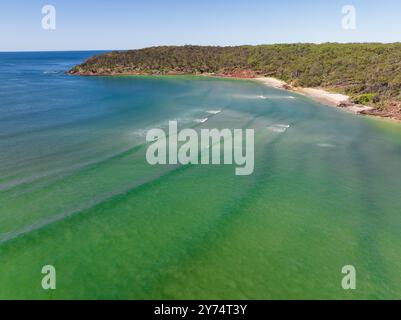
77 193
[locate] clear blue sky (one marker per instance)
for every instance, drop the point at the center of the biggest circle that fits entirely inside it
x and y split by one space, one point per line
124 24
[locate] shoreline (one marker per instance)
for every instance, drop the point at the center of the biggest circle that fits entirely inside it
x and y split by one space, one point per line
321 95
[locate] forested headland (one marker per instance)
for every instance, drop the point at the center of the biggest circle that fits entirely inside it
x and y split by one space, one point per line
370 73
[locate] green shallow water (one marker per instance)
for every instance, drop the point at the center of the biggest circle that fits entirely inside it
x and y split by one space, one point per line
77 193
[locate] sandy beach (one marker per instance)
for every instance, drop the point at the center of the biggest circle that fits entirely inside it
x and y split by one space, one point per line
273 82
321 95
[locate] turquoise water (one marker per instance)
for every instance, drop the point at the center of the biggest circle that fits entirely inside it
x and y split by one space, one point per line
76 191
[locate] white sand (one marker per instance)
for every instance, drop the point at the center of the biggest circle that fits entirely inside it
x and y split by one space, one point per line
273 82
324 96
321 95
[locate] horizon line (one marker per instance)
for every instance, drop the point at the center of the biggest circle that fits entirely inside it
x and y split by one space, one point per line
182 45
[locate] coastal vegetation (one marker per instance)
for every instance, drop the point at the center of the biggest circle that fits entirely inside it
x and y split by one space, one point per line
370 73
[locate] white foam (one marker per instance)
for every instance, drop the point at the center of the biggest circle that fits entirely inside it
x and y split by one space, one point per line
201 120
251 97
213 111
139 132
181 120
279 128
326 145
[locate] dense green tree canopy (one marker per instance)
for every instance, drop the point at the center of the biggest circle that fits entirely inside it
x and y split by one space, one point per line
370 73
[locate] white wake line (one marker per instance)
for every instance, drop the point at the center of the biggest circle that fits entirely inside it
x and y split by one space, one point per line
271 97
201 120
213 111
279 128
326 145
7 236
58 172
